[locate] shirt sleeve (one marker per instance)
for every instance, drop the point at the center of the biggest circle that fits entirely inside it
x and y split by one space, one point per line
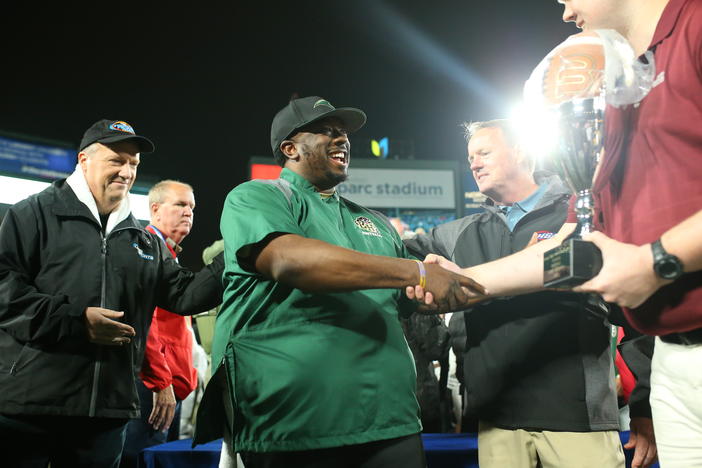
155 372
26 313
186 293
252 213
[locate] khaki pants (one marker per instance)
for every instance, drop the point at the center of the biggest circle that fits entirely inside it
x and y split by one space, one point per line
518 448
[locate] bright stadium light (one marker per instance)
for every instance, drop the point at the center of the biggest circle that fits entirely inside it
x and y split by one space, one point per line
537 128
423 48
15 189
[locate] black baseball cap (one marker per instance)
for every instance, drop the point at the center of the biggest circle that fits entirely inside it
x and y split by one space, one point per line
304 111
112 131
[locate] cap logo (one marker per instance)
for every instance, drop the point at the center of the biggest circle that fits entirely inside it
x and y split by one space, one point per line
121 126
367 227
322 102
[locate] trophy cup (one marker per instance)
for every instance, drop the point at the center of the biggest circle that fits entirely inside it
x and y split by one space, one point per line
577 79
581 125
570 83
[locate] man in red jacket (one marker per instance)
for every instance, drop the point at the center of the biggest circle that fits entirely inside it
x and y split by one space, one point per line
167 372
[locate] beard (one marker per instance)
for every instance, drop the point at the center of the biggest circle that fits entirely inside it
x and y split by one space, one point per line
337 177
321 170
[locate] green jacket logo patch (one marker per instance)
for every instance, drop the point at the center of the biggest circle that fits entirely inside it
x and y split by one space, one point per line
367 227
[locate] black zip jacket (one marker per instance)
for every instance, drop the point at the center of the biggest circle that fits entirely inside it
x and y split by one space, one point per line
55 262
539 361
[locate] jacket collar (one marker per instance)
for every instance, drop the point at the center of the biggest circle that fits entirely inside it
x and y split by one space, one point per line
296 179
77 184
170 243
555 190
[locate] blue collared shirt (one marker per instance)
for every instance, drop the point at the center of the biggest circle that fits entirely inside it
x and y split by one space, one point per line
515 212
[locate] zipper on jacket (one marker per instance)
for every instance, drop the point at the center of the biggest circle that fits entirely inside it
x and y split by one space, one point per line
103 303
98 358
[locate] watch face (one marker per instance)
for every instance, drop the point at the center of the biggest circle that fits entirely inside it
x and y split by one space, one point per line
668 268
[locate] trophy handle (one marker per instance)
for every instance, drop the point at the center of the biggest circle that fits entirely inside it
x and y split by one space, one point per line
585 212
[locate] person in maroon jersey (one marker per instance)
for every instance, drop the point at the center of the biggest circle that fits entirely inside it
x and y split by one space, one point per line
649 194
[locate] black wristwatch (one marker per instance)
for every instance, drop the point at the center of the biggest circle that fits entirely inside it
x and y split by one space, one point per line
665 265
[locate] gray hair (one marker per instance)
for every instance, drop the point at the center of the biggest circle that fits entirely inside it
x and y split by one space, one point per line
508 131
90 149
158 191
471 128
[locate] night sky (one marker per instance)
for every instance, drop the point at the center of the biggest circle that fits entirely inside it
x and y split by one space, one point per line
203 82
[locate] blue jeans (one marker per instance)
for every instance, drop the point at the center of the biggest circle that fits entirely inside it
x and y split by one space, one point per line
141 434
65 441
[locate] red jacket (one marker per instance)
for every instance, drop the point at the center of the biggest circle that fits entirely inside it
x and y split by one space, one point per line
168 357
627 377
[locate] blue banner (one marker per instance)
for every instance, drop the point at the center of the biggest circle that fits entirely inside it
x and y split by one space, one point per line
35 160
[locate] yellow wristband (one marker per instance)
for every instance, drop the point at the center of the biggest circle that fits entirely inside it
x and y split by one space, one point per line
422 274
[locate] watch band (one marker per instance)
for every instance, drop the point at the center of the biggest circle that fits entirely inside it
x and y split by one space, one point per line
665 265
658 251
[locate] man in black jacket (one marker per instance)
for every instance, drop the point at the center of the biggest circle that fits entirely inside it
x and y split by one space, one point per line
79 280
428 339
538 368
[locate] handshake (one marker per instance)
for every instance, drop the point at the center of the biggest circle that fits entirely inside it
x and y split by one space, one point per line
444 288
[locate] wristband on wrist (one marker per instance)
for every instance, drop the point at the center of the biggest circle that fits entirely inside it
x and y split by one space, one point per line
422 274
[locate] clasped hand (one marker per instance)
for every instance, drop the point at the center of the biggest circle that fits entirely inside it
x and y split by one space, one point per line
446 288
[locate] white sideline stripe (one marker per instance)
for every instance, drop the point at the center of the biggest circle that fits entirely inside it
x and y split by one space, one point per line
13 189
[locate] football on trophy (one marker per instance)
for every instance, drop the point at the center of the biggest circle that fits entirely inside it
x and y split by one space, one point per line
574 69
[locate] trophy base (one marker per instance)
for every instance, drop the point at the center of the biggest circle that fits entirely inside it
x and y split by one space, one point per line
572 263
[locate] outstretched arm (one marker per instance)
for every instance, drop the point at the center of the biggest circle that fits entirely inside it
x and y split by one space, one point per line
519 273
316 266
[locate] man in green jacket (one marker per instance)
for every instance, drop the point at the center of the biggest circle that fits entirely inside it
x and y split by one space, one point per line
308 349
